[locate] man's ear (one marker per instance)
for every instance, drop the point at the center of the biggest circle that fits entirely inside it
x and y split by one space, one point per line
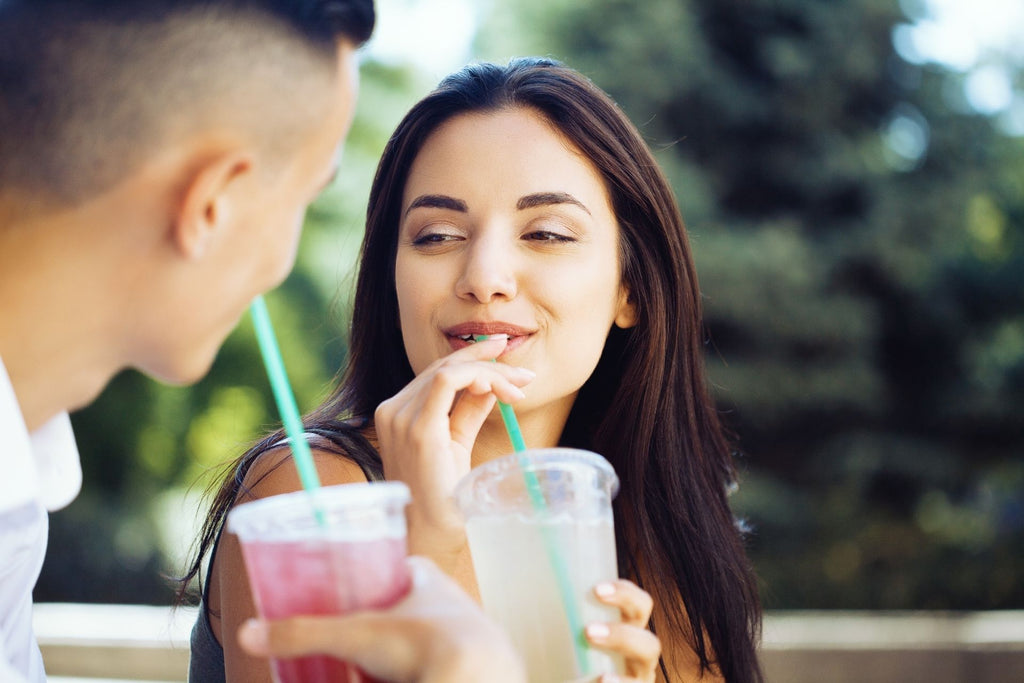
625 315
207 203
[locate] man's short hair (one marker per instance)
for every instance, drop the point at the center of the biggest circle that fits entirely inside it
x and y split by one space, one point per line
89 88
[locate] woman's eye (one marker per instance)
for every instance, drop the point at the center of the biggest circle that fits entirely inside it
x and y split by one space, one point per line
432 238
548 236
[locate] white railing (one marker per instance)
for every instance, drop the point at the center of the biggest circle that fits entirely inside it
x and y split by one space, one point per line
99 643
879 647
118 643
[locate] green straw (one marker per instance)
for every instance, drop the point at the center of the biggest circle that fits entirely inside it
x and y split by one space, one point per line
285 399
508 416
572 610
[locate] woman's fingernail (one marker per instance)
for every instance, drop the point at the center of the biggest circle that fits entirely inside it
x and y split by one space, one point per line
526 372
610 678
604 590
597 631
518 392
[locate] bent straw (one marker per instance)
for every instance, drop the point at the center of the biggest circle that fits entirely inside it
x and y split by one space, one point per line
285 399
565 588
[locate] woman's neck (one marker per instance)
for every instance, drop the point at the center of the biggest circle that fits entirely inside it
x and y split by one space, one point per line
541 428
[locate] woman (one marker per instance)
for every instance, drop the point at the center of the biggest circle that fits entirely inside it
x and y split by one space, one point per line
520 202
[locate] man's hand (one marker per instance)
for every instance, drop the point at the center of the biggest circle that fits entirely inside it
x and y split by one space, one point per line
436 634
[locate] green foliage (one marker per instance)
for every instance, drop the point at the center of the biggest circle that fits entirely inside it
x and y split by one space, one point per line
858 235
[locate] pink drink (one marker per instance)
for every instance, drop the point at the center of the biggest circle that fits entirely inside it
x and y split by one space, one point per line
324 577
332 551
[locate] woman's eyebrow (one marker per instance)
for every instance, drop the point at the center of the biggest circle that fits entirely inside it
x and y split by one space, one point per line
545 198
437 201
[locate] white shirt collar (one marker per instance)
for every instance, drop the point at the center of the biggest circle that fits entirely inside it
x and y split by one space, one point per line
42 465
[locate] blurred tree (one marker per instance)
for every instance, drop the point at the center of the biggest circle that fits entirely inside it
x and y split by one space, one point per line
859 239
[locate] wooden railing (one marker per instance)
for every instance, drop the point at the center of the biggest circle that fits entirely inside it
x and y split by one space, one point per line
117 643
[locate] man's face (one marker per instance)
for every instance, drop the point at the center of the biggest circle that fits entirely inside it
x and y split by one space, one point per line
257 249
271 220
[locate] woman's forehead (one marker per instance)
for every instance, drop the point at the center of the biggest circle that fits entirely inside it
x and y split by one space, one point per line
513 150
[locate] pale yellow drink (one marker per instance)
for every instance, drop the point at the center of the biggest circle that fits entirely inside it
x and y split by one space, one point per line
509 538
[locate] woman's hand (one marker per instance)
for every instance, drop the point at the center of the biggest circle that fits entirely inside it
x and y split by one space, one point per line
426 434
640 649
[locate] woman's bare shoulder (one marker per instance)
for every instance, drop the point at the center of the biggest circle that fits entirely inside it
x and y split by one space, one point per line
274 472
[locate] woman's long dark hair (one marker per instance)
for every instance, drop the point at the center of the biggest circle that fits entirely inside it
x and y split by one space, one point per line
646 407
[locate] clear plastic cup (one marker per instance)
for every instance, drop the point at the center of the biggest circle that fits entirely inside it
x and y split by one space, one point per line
329 551
511 540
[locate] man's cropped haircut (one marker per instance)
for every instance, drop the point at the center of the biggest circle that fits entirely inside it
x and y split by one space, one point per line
88 88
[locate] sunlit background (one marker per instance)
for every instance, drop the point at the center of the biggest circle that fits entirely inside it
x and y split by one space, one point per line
852 175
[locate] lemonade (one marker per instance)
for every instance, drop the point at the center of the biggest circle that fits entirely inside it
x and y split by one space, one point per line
519 589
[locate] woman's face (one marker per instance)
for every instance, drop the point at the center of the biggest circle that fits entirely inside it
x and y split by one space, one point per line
506 228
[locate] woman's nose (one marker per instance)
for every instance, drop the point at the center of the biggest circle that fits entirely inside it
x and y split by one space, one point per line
488 273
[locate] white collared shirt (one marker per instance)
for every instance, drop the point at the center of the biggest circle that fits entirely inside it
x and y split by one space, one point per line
41 471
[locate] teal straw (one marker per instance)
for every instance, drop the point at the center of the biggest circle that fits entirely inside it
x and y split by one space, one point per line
285 399
572 609
508 416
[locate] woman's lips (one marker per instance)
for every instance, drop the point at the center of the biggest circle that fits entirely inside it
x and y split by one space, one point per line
462 335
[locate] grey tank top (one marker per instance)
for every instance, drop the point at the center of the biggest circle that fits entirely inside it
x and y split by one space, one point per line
206 658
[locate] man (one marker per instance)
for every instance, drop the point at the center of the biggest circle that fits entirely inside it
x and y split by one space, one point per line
156 160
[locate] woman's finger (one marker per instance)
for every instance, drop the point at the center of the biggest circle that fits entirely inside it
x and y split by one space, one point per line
634 603
450 404
475 378
640 649
468 416
487 350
